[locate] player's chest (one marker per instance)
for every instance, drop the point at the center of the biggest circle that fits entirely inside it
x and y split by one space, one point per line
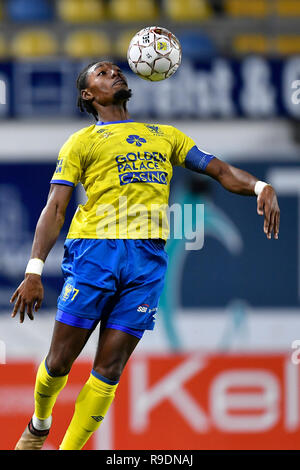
134 149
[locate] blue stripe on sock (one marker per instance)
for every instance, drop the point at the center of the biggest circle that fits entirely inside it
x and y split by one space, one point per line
104 379
48 371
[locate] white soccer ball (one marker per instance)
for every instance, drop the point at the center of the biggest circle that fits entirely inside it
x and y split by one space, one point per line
154 53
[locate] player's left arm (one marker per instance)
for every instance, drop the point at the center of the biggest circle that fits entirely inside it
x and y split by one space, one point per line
187 154
241 182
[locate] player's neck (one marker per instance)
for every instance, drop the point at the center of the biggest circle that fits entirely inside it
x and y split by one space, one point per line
113 113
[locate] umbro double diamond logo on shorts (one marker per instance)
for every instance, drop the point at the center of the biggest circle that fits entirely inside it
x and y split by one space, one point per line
98 418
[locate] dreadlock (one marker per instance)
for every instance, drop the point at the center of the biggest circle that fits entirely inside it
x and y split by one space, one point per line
86 105
81 83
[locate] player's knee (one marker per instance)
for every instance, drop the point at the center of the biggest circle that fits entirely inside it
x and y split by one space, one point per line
111 371
57 367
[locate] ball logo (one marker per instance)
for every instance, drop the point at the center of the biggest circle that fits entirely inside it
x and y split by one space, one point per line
162 46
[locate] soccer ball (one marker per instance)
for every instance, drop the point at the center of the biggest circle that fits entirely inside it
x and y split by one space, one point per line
154 53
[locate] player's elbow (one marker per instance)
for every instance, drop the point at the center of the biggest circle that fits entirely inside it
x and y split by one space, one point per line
58 201
60 217
55 211
60 213
225 171
218 170
233 179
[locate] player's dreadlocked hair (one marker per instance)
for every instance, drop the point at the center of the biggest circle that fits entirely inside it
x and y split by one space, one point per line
81 83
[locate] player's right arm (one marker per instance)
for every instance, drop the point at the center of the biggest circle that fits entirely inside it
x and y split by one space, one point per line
29 295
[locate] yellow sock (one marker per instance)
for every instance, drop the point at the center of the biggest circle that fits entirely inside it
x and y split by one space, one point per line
46 391
90 408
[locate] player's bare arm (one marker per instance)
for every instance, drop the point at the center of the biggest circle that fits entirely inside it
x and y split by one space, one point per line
28 296
241 182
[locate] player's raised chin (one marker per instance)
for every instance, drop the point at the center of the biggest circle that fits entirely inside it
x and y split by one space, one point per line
105 80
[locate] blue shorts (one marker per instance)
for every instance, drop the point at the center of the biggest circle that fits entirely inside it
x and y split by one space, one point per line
116 281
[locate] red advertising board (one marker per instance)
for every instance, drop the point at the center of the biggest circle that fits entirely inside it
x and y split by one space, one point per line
16 402
182 401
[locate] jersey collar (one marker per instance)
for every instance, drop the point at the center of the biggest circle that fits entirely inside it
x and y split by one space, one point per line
100 123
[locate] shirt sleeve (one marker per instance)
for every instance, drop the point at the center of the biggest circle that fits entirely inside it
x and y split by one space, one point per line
181 146
69 163
187 154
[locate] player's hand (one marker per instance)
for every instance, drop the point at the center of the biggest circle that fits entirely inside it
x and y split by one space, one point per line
267 205
28 296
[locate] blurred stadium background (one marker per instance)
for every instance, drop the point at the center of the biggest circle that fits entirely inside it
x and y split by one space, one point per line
217 372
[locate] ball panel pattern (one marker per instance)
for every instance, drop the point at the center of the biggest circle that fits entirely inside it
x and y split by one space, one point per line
143 69
149 55
135 53
162 65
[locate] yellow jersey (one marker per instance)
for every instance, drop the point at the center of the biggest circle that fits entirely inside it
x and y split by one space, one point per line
125 168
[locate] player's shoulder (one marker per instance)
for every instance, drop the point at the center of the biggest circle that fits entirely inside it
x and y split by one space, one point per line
76 142
83 133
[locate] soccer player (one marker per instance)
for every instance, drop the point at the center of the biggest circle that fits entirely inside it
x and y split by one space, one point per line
114 262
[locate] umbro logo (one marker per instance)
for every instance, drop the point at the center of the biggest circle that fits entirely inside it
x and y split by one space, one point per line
98 418
104 133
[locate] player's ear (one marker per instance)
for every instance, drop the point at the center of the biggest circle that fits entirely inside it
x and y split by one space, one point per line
86 94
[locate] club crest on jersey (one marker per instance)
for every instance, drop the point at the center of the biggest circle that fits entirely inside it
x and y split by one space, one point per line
154 129
136 139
